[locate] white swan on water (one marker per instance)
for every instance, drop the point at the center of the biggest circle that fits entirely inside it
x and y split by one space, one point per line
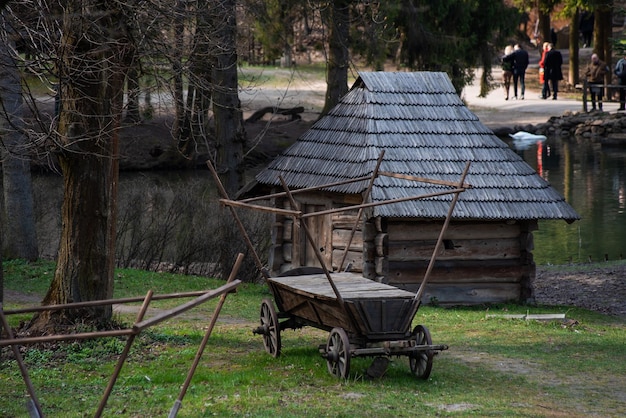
527 136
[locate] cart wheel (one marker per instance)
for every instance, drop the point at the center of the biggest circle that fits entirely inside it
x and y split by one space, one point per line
421 361
270 328
338 353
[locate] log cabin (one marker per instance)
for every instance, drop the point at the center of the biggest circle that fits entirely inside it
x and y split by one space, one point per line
425 130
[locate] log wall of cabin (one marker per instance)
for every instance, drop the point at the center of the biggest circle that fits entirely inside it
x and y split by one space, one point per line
332 232
478 262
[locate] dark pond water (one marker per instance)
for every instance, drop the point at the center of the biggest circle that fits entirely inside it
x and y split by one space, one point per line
591 178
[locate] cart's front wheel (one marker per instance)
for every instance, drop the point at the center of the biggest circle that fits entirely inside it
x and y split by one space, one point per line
338 353
421 361
270 328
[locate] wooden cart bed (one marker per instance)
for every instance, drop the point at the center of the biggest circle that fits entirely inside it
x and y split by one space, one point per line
372 310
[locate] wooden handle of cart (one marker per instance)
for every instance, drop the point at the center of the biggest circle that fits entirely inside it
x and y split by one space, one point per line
242 229
431 264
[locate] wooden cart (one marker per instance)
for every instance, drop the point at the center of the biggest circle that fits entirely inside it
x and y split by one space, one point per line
371 320
364 317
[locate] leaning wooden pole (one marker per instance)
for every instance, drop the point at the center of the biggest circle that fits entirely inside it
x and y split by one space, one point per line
366 196
242 229
444 228
205 340
123 356
33 404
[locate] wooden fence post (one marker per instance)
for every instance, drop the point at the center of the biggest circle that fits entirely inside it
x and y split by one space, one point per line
585 85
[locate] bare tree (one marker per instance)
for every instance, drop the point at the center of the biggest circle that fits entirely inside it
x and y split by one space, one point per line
93 56
230 134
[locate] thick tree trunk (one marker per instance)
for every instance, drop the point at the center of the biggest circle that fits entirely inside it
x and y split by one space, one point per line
603 34
91 74
229 130
19 214
338 55
573 48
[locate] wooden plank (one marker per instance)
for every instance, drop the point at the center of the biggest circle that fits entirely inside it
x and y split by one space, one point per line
350 285
409 231
356 258
476 249
457 272
422 179
318 227
341 236
344 221
528 317
471 294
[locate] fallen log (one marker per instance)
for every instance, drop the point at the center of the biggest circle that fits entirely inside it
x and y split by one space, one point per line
293 111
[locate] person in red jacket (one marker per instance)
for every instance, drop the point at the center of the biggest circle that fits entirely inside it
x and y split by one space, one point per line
545 88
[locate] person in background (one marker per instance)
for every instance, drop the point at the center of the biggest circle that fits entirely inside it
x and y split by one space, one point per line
594 74
520 64
586 27
507 69
553 73
620 72
545 87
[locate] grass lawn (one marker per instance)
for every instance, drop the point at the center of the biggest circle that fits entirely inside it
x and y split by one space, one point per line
494 367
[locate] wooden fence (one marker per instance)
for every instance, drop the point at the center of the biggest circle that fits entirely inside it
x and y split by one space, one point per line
609 90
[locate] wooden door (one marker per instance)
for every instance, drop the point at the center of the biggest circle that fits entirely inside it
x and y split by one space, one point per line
319 227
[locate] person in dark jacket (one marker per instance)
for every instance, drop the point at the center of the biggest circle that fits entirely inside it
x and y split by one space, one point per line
553 73
594 74
520 63
620 72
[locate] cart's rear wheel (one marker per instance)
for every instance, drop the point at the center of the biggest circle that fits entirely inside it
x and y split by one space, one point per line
270 328
421 361
338 353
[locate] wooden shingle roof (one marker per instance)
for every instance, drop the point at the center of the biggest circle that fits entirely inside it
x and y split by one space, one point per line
425 130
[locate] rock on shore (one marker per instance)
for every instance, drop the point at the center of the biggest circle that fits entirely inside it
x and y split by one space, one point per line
596 126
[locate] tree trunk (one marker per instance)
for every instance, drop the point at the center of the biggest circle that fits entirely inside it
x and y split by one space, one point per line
338 55
92 54
229 130
19 214
602 35
574 65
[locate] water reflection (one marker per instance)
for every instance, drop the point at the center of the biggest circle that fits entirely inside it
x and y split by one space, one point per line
592 180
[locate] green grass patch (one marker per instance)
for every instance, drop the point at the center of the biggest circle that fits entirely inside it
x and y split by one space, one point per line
494 366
